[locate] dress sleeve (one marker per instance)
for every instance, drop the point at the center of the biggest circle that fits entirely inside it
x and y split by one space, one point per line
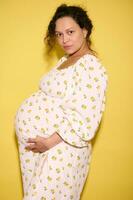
82 111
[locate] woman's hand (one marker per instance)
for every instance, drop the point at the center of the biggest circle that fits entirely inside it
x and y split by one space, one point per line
41 144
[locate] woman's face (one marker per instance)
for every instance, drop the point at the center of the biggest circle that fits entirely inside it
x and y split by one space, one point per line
69 35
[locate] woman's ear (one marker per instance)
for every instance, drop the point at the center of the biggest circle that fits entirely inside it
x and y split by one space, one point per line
85 32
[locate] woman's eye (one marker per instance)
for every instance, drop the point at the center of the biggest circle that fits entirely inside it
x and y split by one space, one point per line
70 32
58 34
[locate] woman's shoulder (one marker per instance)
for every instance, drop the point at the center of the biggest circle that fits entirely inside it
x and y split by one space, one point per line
88 61
91 65
94 61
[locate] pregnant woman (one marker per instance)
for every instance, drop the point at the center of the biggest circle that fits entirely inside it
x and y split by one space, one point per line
56 124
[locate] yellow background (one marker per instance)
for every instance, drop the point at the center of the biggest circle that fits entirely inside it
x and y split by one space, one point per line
22 63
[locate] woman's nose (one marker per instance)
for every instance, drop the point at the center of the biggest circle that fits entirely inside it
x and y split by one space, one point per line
65 38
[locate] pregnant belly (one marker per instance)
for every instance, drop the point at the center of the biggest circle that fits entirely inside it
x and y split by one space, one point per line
37 115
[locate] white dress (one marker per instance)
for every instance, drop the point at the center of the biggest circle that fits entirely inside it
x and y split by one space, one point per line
69 101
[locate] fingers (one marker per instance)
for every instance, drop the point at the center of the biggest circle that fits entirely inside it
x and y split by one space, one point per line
31 140
31 147
36 144
36 151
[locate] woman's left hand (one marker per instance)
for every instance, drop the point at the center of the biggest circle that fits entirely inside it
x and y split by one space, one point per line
41 144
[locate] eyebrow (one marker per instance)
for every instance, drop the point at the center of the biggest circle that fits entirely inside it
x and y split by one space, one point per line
66 30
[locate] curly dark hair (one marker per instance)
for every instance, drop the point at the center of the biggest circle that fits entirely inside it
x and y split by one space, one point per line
78 14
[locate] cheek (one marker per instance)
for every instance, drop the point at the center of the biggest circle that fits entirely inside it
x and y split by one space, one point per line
78 39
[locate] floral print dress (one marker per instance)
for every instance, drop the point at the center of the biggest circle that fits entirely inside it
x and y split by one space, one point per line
71 102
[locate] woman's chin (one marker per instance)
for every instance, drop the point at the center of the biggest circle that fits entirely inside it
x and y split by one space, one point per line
69 52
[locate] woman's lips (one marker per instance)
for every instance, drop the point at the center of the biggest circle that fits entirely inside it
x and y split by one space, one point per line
67 47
